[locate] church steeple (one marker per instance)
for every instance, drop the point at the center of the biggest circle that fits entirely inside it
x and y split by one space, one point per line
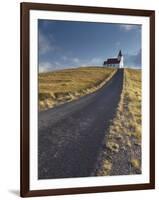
121 59
120 54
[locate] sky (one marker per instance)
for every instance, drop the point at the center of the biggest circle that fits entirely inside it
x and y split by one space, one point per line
70 44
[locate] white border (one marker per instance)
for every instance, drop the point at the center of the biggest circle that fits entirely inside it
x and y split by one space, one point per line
36 184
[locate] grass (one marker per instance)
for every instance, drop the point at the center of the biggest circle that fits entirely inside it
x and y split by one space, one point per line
107 166
135 163
66 85
112 146
124 134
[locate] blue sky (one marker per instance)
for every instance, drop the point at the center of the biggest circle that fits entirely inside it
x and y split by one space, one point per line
68 44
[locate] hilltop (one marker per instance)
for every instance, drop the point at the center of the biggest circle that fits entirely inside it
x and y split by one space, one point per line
62 86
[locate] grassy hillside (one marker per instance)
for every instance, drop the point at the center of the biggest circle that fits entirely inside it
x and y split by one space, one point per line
121 153
66 85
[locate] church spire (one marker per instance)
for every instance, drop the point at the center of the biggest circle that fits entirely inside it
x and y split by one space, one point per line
120 54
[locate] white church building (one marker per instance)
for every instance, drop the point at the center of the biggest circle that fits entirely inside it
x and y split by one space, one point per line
115 62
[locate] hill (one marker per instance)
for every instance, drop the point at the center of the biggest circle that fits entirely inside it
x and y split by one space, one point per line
66 85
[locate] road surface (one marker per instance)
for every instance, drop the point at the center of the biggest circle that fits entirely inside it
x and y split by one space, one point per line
70 135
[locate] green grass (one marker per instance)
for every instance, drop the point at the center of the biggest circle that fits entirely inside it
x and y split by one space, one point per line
66 85
124 134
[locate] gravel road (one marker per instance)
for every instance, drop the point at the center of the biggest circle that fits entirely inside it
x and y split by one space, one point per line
70 135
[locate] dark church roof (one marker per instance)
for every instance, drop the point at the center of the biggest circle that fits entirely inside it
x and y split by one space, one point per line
112 61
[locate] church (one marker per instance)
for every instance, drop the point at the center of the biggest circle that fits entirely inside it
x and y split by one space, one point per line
115 62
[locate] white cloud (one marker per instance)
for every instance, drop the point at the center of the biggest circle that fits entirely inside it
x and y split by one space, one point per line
127 27
64 58
50 66
68 62
45 43
71 59
133 60
96 61
75 60
45 67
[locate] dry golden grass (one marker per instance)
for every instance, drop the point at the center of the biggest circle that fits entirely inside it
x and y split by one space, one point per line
112 146
125 131
66 85
136 163
133 101
107 166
